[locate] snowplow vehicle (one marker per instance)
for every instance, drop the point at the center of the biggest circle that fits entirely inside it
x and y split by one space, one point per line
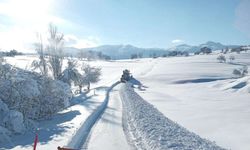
126 76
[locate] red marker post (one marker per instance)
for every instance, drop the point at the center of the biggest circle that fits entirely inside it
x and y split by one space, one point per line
35 142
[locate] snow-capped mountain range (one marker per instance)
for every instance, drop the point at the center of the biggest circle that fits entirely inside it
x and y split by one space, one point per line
125 51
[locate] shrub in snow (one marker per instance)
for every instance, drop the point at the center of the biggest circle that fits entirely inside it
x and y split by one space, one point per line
40 64
241 72
71 74
221 58
3 111
35 96
4 135
237 72
14 121
55 96
231 58
5 70
4 132
91 75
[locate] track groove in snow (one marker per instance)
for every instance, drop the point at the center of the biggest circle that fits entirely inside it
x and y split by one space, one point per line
149 129
108 131
81 135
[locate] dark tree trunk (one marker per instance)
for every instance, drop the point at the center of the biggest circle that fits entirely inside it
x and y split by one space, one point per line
80 88
88 86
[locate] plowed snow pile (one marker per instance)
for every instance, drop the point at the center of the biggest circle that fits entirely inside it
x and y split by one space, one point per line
147 128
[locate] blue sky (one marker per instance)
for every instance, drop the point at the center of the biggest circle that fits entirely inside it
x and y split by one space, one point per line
143 23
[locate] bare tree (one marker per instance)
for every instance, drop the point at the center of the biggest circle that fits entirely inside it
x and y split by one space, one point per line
221 58
81 54
55 50
40 64
91 75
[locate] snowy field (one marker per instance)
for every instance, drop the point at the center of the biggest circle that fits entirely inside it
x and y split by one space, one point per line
199 93
196 92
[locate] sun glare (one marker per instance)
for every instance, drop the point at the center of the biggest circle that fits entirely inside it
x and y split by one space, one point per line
26 18
26 9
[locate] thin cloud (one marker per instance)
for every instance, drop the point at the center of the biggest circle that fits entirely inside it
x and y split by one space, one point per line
177 41
73 41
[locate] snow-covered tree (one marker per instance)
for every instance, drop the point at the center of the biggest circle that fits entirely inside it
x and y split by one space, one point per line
80 83
2 60
221 58
2 71
40 64
237 72
134 56
71 74
55 50
241 72
91 74
206 50
5 71
231 58
35 96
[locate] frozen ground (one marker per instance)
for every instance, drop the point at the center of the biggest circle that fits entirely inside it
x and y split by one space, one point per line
196 92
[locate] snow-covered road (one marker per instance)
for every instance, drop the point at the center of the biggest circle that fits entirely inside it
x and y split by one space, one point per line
108 132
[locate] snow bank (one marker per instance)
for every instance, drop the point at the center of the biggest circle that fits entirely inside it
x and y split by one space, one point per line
147 128
241 85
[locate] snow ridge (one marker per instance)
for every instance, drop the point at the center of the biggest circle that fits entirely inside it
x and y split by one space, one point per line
82 134
147 128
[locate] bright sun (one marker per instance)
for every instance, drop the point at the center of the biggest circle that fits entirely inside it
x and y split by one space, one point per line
26 9
23 19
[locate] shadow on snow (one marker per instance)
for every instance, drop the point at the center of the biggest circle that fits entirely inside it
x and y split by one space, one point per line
201 80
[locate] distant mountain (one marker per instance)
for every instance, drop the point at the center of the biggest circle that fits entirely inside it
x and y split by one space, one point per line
209 44
119 51
184 47
213 45
125 51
